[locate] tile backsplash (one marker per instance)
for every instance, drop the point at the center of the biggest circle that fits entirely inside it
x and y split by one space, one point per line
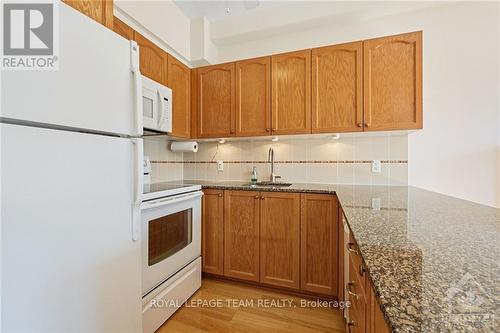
158 150
313 160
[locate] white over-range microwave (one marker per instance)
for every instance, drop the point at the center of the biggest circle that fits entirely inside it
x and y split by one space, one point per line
156 106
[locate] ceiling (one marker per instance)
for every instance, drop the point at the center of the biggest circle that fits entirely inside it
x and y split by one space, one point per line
217 10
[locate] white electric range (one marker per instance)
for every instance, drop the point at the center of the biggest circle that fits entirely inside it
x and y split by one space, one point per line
171 249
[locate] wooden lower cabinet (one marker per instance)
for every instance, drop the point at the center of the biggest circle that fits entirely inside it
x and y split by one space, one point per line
285 240
280 239
319 243
365 315
212 228
241 235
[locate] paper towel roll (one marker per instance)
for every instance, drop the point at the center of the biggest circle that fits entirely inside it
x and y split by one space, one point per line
184 146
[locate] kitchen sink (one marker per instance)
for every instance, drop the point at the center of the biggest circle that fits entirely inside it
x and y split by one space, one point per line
270 184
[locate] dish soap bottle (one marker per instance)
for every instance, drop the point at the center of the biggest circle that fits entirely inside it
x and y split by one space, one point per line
253 180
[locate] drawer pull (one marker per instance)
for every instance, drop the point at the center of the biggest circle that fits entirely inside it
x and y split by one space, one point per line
256 197
362 270
220 195
350 324
348 289
350 249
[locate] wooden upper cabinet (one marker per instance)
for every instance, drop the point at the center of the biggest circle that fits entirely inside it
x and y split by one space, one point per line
122 29
153 61
280 239
393 82
179 80
337 88
253 97
291 93
319 243
216 100
213 231
241 234
98 10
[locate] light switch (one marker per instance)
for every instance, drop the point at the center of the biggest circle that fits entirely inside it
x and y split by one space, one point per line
220 165
376 166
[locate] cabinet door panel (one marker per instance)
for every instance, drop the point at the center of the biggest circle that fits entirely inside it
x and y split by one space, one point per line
291 93
213 232
337 101
179 80
253 97
280 239
153 60
216 102
241 235
122 29
393 82
98 10
319 243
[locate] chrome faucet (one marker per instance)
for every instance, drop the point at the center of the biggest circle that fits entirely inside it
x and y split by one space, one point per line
270 159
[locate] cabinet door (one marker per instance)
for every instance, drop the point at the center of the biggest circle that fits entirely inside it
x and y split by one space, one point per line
376 322
179 80
122 29
213 231
253 97
216 101
280 239
393 82
241 235
153 60
337 83
319 243
291 93
98 10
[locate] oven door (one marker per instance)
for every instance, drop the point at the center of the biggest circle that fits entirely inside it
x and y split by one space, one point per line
171 236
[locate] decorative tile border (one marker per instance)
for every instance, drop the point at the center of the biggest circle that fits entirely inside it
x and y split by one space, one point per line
283 162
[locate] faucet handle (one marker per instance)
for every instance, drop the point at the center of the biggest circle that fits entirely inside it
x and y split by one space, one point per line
277 177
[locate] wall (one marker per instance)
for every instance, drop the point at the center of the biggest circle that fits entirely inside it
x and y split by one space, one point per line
318 160
456 152
161 21
157 150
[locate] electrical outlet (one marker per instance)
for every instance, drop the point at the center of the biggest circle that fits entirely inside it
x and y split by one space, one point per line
220 165
376 203
376 166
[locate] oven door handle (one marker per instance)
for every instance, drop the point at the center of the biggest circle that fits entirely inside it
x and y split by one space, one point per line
171 200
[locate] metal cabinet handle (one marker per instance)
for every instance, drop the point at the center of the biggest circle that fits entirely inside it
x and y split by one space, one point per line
256 197
350 324
359 124
362 270
350 249
367 124
262 198
268 129
348 289
220 195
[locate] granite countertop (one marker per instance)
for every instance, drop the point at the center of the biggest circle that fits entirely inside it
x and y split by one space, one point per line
433 260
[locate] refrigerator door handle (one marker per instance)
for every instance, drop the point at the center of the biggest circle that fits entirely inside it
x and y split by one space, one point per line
136 207
134 58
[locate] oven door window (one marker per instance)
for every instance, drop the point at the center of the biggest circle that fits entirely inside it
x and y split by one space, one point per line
169 235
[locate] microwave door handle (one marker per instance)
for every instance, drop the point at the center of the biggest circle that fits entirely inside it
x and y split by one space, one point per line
162 106
170 201
134 55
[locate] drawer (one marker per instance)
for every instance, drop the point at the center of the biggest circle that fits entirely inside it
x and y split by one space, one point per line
357 296
357 263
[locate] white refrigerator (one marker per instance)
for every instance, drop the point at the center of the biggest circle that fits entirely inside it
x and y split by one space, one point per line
71 185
